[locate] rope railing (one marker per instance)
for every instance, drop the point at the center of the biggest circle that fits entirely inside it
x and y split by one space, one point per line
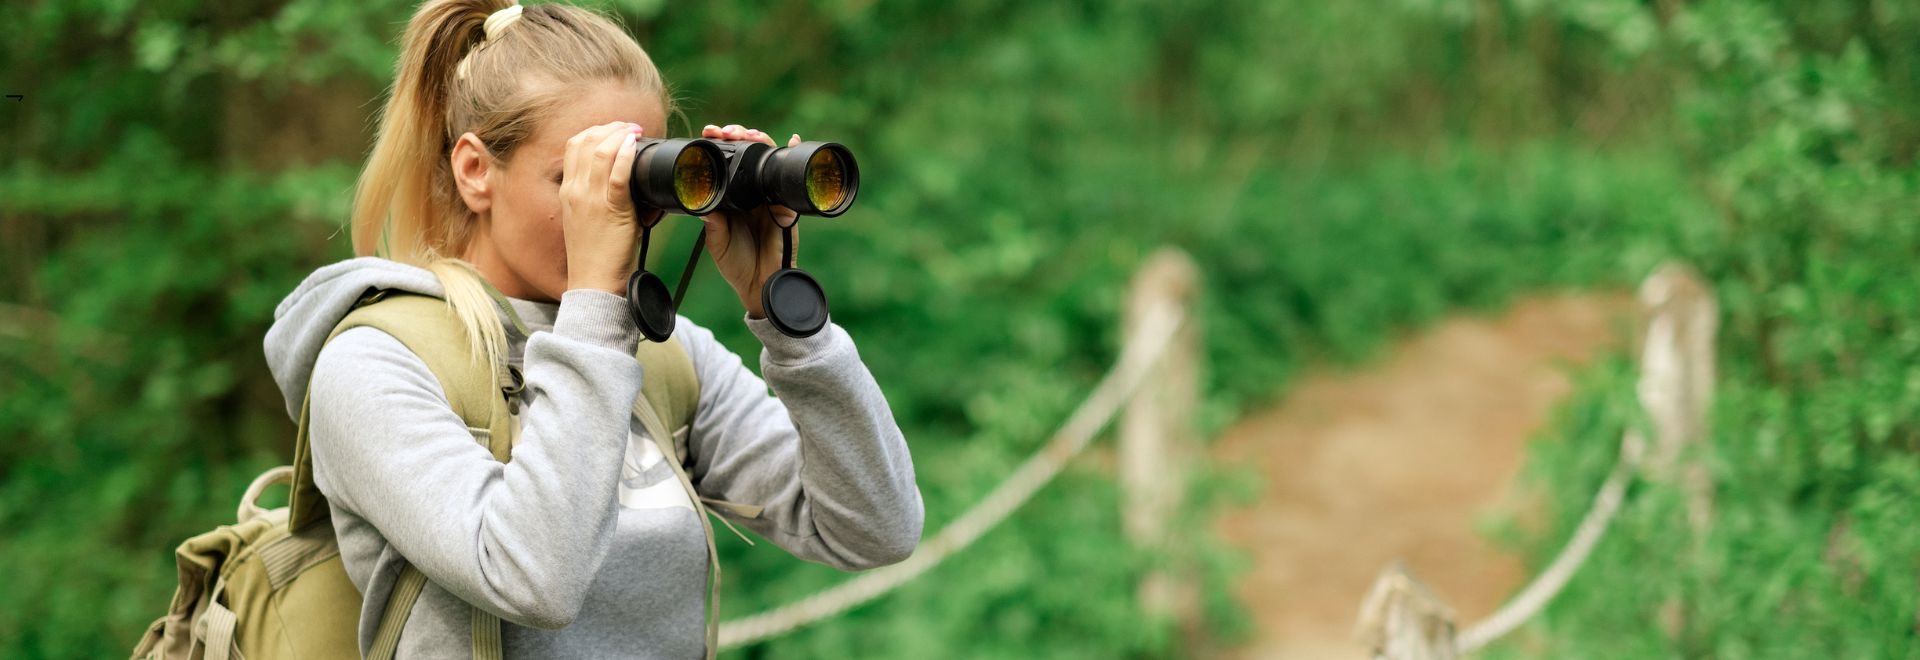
1137 359
1403 620
1538 593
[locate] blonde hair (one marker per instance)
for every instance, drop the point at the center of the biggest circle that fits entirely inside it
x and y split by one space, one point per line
451 79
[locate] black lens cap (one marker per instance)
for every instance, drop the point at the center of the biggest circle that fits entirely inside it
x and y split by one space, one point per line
794 303
652 307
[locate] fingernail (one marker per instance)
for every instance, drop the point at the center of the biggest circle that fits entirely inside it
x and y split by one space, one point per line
712 127
795 138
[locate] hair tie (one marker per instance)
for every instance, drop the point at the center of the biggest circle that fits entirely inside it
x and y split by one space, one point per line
499 20
496 22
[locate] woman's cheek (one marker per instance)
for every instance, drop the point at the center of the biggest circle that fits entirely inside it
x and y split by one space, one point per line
553 240
556 236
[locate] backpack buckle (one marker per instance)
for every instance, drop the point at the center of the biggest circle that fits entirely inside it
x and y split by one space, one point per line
372 295
512 392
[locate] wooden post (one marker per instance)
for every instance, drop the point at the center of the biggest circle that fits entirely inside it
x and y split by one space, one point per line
1676 383
1676 391
1157 432
1401 619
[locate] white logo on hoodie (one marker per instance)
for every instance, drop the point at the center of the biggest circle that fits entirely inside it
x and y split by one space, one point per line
646 481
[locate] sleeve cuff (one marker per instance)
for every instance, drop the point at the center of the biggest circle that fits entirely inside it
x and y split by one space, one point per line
788 351
597 317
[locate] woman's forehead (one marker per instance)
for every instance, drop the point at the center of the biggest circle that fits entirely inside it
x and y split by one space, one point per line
596 105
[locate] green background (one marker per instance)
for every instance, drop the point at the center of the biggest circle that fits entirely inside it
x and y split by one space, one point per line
1342 172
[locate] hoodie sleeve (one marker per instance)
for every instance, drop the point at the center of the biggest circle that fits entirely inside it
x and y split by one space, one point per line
825 458
522 539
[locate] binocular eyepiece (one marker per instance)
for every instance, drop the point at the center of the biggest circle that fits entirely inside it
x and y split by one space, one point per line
697 176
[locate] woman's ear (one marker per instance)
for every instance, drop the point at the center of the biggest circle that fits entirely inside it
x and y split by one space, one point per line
471 167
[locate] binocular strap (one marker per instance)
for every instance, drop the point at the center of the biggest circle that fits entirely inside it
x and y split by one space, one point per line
653 310
793 301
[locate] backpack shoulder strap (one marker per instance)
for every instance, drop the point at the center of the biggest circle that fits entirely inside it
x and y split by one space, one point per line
428 328
670 389
668 381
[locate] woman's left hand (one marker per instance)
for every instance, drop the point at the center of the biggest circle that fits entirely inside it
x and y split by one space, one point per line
747 245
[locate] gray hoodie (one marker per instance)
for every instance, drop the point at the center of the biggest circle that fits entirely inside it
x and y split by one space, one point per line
583 544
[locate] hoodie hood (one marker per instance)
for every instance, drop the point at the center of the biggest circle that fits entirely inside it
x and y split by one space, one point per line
305 317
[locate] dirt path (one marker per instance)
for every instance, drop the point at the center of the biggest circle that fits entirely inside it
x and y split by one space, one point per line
1401 461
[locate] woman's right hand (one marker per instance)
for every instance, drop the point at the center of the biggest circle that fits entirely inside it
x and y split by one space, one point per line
596 212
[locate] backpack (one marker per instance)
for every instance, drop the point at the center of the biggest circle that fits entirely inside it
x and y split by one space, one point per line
272 585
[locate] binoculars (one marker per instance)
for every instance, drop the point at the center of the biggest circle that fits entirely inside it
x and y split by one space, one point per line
698 176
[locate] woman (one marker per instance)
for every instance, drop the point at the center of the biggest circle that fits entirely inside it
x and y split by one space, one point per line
503 154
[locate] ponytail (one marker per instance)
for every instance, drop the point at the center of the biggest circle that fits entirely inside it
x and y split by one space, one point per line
408 174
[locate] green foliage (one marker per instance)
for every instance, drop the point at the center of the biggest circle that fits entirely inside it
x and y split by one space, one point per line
1801 131
1341 172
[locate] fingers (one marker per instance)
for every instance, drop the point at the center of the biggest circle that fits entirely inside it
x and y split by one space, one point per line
600 170
617 179
736 132
652 217
579 158
570 164
719 234
783 216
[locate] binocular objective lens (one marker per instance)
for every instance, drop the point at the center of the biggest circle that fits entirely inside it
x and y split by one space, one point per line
695 178
826 179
